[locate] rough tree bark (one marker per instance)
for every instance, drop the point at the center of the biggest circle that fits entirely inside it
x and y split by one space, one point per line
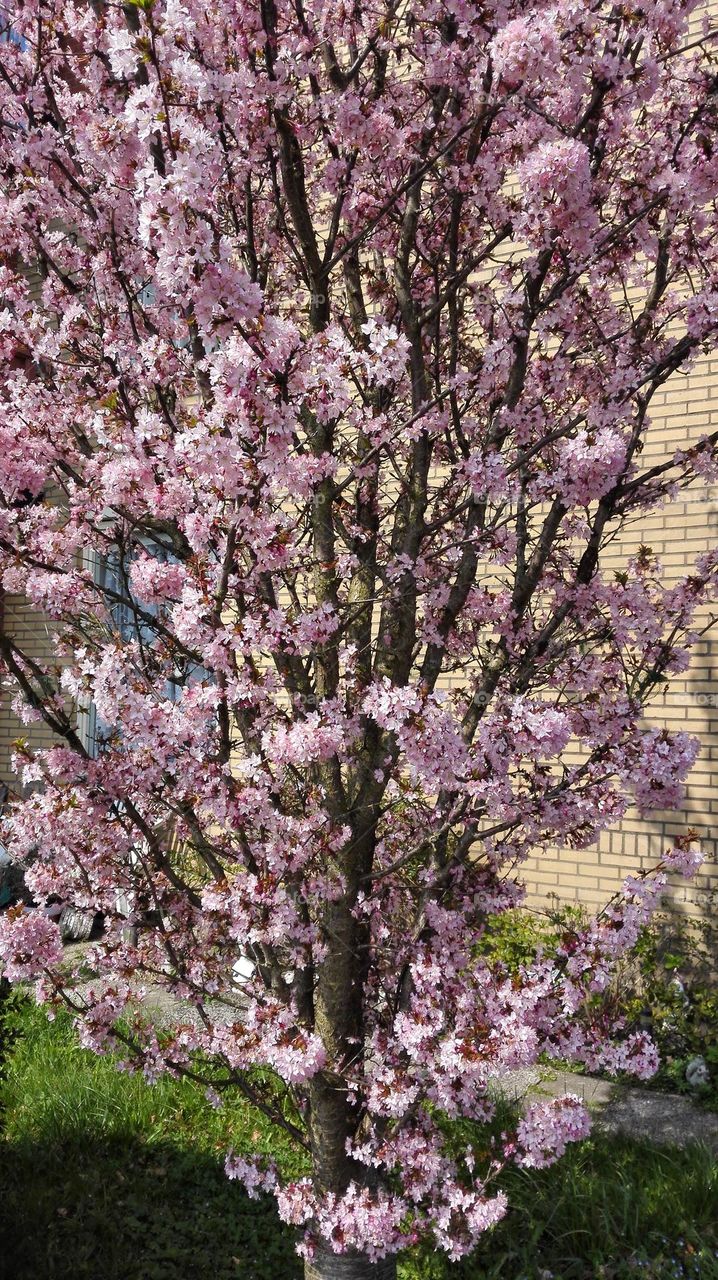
332 1266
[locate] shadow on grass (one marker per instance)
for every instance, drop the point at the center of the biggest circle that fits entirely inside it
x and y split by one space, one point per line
126 1211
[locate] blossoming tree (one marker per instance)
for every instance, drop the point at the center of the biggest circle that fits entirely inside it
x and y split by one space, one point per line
330 334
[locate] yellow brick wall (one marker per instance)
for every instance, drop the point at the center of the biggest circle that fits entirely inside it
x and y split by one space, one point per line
685 409
32 633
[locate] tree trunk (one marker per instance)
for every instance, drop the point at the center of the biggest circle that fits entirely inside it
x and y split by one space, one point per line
326 1265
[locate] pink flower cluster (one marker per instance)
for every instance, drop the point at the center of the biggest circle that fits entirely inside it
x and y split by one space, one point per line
258 1177
546 1128
29 944
556 188
526 49
588 465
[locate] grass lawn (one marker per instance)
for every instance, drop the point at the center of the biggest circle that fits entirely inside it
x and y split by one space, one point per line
103 1177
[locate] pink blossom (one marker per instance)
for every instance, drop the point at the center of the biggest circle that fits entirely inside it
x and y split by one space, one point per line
525 49
256 1175
684 859
361 1219
29 943
546 1128
589 465
556 187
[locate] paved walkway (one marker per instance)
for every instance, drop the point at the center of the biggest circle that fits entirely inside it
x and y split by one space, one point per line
663 1118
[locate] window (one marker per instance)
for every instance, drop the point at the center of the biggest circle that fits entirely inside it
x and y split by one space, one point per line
132 621
7 35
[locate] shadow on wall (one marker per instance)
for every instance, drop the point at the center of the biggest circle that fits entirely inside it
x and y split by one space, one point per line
690 703
694 907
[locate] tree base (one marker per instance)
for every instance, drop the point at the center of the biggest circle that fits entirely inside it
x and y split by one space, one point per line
344 1266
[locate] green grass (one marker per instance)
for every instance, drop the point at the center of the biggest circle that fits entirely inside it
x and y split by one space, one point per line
103 1177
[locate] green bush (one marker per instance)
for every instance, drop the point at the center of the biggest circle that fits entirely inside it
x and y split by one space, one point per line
668 985
673 987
